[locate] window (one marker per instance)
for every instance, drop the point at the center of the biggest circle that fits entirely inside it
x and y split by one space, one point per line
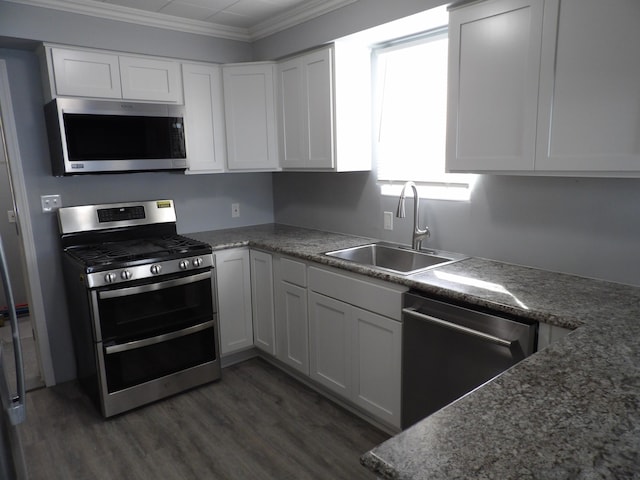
410 78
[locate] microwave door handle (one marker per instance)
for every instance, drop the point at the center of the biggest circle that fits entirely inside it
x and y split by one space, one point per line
16 407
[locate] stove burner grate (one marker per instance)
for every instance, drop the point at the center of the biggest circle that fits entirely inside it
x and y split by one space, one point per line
121 252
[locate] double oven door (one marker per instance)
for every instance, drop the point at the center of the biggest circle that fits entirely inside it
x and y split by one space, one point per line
154 339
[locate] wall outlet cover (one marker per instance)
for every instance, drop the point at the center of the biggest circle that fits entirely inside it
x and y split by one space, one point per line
388 220
50 203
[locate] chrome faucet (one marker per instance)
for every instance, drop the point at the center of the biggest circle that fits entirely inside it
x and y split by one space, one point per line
418 234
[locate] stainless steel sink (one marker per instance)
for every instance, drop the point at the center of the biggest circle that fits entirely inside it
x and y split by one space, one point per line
394 257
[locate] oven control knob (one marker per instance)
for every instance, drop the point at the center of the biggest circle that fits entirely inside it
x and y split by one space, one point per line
197 262
155 269
125 275
184 264
110 277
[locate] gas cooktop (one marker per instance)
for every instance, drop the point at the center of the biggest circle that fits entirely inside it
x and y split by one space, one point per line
107 255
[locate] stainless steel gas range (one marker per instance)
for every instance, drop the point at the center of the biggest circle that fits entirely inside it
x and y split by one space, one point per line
142 303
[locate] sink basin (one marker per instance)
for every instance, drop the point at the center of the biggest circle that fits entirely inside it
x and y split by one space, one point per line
391 257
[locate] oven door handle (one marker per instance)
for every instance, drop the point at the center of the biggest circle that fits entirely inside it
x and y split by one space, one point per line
176 282
412 312
158 339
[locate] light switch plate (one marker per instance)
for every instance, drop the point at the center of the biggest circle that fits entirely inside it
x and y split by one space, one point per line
50 203
235 210
11 216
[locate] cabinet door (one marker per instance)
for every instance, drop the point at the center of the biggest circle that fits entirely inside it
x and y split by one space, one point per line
589 115
330 332
494 61
306 109
293 326
234 300
292 129
204 118
376 357
85 74
150 79
264 334
318 97
249 102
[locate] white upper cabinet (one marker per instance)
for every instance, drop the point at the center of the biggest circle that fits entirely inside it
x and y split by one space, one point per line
204 118
545 87
150 79
100 74
589 115
494 59
249 99
306 110
324 110
85 74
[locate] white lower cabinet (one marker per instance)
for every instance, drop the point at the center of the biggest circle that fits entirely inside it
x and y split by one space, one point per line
234 299
376 362
353 351
318 321
293 326
292 321
264 333
356 354
330 343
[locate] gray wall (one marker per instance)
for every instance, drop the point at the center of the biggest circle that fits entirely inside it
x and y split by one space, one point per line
203 202
583 226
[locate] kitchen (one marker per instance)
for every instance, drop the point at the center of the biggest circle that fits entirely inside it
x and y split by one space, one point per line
582 226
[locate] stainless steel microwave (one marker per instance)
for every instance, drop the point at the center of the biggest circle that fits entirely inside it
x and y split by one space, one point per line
96 136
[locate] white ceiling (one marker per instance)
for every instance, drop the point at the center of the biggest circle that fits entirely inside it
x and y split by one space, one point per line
234 19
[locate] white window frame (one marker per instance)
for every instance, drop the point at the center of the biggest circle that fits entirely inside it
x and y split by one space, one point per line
445 186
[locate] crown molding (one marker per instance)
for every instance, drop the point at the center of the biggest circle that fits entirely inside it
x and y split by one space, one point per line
141 17
153 19
295 16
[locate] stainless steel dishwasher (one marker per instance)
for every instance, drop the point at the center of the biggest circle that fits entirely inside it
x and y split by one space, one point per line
449 350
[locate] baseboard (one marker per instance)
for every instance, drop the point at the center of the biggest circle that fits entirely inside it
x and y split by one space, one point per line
238 357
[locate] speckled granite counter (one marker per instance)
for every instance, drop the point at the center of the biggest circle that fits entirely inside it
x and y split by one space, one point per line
569 411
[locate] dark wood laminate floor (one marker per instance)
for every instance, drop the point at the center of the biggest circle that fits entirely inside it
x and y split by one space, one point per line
257 423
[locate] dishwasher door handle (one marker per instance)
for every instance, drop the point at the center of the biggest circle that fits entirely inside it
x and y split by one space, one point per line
412 312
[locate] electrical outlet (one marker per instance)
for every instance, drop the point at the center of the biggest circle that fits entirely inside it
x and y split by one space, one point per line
11 215
50 203
235 210
388 220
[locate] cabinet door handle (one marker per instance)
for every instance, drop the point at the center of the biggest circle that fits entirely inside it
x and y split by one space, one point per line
412 312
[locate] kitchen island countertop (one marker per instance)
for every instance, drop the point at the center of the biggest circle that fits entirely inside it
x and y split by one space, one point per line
571 410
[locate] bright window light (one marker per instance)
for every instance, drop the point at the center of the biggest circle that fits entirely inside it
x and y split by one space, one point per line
410 78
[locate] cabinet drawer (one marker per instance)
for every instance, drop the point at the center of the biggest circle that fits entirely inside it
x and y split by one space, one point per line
293 272
384 299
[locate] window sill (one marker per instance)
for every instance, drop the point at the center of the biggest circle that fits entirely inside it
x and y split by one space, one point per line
433 192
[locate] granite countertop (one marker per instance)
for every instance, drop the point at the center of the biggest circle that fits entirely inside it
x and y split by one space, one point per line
571 410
